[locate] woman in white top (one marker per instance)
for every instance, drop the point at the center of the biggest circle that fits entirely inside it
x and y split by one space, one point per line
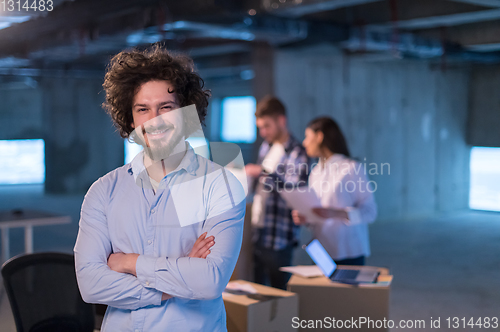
347 203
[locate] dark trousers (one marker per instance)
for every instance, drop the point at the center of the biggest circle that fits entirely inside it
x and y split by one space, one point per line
267 263
352 261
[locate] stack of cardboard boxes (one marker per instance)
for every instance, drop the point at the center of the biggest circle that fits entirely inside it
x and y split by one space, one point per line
309 303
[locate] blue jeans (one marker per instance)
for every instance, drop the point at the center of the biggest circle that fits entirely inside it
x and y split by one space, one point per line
267 263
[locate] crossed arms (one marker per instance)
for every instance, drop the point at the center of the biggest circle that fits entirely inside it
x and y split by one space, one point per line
109 278
126 263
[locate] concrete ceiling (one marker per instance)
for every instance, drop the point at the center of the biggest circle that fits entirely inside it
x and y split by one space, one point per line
82 34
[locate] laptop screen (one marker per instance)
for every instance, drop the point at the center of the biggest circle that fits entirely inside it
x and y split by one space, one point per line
321 257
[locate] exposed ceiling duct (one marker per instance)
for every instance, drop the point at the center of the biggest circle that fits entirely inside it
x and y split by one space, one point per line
77 34
298 8
410 45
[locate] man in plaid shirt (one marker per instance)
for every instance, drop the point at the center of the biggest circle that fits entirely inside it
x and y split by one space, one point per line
275 235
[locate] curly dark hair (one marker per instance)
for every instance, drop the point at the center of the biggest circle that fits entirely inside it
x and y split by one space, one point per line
128 70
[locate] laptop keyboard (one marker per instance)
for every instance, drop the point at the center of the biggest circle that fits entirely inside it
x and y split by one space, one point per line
345 274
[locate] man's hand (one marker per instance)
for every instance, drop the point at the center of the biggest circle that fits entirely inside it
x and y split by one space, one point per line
330 213
123 263
201 247
298 218
253 170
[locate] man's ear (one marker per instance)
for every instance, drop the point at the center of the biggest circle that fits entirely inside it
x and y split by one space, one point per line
282 121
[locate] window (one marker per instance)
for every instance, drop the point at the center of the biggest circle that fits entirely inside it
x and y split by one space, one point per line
22 161
131 150
200 146
238 120
485 179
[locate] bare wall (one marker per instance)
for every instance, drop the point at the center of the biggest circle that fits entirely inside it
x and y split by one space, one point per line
484 107
80 142
399 113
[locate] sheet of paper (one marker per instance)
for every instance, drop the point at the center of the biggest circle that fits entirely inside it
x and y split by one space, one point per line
235 286
303 199
273 157
269 164
306 271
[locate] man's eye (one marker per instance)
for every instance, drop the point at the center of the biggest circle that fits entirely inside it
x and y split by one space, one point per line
142 110
167 107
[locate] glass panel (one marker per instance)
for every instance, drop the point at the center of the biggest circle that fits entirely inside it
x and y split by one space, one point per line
238 119
22 161
485 179
131 150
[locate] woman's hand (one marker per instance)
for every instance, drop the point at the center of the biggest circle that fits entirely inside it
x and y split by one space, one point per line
327 213
298 218
201 247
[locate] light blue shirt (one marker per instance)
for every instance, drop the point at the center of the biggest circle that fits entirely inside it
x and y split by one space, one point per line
121 213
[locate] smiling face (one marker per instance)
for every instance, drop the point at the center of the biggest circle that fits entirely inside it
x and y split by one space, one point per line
158 126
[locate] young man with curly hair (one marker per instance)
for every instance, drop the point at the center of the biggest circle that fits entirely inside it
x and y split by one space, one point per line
159 237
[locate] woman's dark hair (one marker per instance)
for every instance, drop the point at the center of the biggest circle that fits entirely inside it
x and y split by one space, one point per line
127 71
333 139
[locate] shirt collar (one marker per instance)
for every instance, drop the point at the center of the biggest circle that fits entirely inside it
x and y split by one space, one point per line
290 143
189 163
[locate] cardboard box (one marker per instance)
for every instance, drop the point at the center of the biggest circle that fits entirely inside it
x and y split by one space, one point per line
270 310
321 298
244 265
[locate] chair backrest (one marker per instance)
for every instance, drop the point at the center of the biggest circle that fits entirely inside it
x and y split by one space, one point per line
44 295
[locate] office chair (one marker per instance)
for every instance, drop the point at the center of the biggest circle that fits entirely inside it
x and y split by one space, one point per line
43 294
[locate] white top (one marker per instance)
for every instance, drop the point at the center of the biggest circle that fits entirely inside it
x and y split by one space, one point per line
341 183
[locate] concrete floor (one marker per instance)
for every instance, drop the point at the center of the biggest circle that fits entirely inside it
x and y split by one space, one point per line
446 266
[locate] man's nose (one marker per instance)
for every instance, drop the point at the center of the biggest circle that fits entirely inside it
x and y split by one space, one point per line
154 114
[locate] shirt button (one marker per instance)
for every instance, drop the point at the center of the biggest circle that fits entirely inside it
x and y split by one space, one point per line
153 211
147 283
149 241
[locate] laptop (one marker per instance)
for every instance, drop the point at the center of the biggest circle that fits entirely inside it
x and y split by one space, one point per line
329 268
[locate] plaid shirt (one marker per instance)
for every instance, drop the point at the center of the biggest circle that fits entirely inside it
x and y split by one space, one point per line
279 230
